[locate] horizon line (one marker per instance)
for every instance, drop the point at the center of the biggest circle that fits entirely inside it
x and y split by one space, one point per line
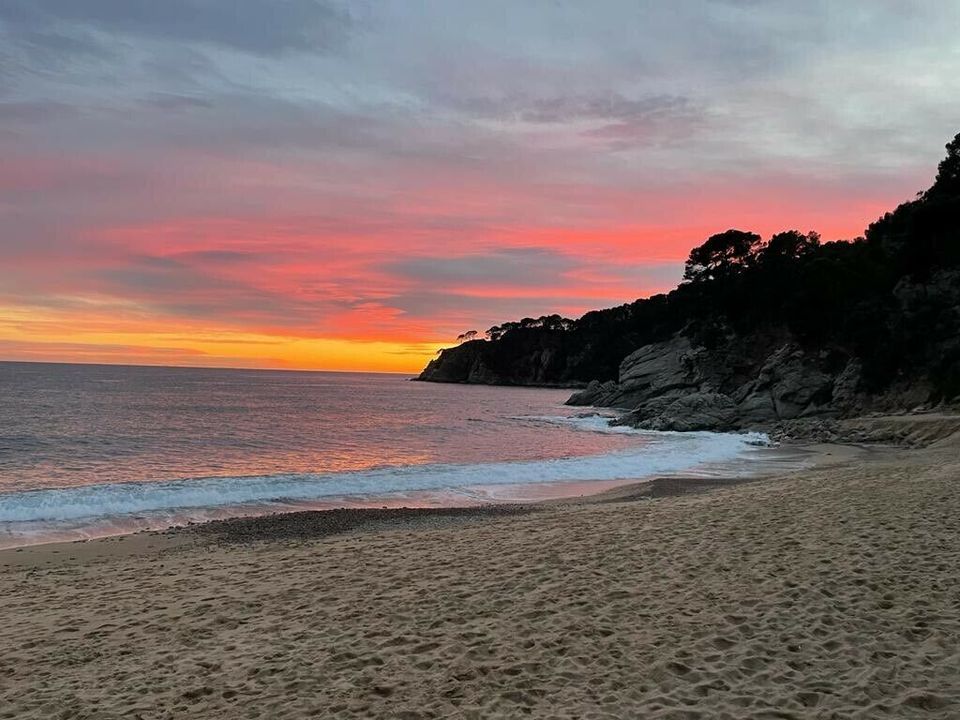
202 367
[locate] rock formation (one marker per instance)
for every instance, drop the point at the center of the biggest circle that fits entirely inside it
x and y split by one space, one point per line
677 385
482 363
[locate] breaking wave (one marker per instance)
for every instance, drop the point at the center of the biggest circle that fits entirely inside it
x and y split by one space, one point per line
655 454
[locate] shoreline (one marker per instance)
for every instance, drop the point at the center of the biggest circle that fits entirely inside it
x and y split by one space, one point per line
814 438
314 524
828 592
762 462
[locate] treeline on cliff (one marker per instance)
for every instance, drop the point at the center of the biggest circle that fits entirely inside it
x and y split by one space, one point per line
890 298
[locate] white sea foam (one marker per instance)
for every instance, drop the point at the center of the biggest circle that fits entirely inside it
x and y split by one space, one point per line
655 454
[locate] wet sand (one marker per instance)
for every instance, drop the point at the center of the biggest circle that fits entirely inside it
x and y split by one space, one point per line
832 592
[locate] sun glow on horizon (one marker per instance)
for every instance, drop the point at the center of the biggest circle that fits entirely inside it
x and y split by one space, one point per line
47 340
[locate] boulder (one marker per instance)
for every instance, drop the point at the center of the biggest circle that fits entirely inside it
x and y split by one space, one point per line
789 385
697 411
596 394
660 369
740 383
847 386
757 408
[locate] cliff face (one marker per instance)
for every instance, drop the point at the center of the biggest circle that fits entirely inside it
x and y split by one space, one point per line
462 364
764 379
541 361
742 383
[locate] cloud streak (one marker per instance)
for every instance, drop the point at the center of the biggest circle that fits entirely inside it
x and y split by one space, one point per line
256 27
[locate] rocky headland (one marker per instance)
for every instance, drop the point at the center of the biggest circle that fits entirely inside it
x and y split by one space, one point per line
787 335
771 384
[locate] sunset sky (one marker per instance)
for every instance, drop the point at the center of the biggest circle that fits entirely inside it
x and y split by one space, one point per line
349 185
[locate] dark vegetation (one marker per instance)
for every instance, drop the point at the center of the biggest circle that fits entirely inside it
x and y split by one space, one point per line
890 298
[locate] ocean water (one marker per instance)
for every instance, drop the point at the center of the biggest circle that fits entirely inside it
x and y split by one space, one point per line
88 450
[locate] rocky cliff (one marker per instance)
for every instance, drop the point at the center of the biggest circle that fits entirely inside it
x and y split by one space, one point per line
480 362
539 356
745 383
764 379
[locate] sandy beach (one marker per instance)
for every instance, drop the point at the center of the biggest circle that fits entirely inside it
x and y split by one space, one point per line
828 593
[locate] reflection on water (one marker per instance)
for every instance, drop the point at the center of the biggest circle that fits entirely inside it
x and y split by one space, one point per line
95 450
67 425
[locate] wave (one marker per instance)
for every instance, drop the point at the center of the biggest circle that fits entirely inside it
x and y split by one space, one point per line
659 453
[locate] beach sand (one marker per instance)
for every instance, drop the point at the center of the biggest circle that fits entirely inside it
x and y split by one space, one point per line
828 593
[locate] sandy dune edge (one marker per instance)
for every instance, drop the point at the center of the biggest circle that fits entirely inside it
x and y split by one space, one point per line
831 593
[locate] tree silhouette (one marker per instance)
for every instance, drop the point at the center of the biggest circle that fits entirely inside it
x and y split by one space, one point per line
722 255
948 172
790 244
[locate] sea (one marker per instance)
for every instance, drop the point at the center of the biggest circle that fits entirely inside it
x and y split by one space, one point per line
95 450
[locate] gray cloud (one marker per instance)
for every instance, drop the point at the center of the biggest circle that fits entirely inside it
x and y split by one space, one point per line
560 108
35 111
530 267
224 257
172 286
175 102
255 26
442 285
455 309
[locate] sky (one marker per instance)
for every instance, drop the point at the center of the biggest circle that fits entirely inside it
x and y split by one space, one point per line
350 185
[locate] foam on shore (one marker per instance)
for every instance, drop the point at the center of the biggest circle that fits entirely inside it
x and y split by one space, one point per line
34 515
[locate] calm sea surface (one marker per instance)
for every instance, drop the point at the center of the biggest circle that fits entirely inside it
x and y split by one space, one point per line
89 450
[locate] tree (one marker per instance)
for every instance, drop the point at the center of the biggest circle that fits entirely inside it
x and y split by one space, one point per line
948 172
921 235
555 322
790 245
467 336
722 255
